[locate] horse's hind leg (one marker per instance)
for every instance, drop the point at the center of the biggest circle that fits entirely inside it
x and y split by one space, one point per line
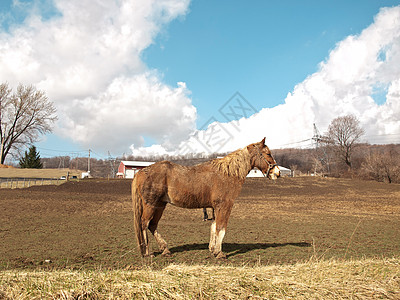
153 229
205 215
147 216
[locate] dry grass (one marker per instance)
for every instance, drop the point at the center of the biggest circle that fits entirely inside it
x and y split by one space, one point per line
37 173
332 279
12 178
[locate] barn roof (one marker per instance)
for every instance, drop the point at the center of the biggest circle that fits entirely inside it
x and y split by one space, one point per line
132 163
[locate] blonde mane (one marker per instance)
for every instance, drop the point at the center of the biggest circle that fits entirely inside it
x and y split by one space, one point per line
236 163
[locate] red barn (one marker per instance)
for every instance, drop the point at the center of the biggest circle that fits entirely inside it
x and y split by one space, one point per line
128 169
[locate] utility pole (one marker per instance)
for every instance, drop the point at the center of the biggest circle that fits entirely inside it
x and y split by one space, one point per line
88 164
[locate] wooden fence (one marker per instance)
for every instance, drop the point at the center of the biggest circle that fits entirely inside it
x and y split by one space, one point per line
14 183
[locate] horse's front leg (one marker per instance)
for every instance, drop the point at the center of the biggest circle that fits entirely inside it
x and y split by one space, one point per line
218 229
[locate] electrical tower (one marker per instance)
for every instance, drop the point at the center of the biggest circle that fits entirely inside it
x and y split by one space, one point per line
320 150
317 138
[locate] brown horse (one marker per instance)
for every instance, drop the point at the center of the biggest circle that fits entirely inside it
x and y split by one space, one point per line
213 184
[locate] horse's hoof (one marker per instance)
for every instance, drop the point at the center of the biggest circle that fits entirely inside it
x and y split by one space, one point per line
166 253
148 255
221 255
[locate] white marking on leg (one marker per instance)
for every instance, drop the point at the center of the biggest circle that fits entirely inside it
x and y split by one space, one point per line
146 242
218 245
161 242
213 238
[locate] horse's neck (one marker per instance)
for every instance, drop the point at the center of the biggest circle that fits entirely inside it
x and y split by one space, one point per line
248 167
238 164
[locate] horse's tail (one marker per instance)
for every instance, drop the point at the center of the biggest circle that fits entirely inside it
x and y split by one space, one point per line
137 202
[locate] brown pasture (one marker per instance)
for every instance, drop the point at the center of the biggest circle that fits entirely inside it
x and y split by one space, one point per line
89 224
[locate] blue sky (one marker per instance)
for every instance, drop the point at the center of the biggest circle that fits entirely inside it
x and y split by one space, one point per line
261 49
184 61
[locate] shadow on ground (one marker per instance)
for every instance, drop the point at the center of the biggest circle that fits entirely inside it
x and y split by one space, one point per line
232 249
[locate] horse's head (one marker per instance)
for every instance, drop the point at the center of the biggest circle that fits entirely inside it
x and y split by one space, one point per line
261 157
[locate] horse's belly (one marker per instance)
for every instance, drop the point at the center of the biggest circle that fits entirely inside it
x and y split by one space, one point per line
188 200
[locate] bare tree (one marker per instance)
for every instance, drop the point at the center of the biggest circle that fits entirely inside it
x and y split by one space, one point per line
382 165
24 115
343 135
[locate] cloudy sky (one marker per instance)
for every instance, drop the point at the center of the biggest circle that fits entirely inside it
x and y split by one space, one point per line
142 76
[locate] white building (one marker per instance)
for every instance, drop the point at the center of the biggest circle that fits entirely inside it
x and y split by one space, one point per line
257 173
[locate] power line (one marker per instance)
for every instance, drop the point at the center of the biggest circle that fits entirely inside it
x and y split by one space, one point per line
294 143
72 152
388 134
61 151
317 138
98 155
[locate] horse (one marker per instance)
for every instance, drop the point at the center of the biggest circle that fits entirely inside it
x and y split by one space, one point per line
213 184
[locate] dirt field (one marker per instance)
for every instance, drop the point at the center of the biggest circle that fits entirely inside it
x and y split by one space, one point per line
89 224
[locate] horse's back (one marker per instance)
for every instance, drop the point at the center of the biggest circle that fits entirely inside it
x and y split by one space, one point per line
190 187
167 182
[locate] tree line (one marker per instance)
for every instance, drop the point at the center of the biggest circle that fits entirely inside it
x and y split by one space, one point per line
339 153
377 162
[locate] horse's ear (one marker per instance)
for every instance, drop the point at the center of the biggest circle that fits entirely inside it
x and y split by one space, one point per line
263 142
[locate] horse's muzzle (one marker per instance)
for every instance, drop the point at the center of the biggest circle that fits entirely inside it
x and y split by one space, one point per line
274 173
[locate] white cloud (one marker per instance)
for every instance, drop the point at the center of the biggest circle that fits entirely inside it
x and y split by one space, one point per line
87 59
345 83
130 110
